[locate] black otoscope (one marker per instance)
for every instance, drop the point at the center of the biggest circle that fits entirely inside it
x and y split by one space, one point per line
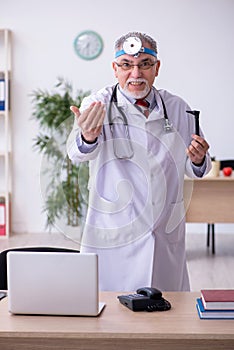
196 116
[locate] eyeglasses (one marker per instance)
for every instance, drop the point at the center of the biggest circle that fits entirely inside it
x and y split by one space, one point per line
142 66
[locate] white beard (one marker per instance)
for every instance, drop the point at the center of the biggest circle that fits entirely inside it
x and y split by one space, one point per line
136 94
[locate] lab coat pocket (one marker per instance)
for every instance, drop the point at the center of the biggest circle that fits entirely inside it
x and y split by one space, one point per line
175 145
175 225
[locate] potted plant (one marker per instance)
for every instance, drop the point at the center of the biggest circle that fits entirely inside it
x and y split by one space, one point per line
63 183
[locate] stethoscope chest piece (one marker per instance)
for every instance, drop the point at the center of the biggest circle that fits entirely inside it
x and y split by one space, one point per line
168 127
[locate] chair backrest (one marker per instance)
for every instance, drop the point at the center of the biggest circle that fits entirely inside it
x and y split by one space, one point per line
3 259
226 163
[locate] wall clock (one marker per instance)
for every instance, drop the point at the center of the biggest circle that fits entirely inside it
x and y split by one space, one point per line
88 45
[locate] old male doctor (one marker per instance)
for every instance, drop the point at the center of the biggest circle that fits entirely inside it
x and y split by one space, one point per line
138 153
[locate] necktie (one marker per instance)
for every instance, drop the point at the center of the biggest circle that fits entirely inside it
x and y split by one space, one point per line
144 106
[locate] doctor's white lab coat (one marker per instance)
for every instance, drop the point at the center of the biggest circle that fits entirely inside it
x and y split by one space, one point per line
136 215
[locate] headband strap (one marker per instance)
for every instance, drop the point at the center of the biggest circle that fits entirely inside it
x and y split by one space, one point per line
133 46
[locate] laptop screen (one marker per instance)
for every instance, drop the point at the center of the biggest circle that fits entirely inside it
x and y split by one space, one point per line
54 283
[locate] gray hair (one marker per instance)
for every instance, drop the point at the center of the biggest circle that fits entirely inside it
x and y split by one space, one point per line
144 38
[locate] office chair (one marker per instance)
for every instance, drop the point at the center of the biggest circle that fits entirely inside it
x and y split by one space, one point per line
3 259
223 164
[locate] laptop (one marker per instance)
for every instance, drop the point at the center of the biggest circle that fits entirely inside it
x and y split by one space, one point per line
51 283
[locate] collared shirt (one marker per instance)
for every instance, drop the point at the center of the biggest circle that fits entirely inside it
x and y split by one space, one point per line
150 98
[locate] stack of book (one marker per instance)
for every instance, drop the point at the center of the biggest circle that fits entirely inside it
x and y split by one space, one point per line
216 304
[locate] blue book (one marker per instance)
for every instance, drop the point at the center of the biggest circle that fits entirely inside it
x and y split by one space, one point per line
2 94
213 314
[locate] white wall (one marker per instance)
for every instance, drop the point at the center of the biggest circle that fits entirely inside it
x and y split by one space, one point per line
196 48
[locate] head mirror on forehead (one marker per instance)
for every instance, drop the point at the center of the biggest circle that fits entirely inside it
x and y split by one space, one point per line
133 46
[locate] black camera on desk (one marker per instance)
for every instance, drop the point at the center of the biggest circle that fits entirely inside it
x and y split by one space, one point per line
145 299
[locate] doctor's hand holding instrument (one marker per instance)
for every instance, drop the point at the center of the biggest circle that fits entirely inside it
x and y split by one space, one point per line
198 147
90 121
197 150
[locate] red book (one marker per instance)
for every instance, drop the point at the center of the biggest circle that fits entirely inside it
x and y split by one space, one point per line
215 299
2 219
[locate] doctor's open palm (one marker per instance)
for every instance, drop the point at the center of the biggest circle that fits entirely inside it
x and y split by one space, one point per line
90 120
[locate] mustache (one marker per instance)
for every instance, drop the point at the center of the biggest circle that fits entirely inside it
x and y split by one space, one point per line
136 94
139 80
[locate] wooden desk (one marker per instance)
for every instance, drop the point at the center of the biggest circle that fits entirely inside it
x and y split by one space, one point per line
118 328
211 200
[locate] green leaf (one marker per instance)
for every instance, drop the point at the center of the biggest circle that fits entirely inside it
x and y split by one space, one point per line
66 192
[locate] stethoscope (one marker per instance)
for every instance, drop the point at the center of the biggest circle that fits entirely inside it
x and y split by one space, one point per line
123 146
